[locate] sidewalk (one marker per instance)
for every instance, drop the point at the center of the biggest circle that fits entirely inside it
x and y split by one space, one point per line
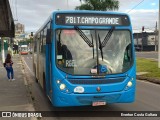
13 94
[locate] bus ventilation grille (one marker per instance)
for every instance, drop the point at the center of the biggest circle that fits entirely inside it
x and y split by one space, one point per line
95 81
108 98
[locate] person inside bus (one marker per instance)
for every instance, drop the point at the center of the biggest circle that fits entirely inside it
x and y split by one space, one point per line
64 51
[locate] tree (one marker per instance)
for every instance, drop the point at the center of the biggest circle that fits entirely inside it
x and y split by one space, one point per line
99 5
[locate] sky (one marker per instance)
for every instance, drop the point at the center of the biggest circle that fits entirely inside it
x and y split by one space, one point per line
33 13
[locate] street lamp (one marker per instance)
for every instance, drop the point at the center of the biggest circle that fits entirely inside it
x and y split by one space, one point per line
67 5
159 38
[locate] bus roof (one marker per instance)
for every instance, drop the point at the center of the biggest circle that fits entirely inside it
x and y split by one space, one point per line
78 11
88 11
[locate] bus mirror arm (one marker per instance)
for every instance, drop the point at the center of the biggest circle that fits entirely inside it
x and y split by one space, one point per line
48 37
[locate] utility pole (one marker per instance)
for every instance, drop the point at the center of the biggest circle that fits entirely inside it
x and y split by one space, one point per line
156 37
81 2
159 38
2 50
142 38
67 5
137 41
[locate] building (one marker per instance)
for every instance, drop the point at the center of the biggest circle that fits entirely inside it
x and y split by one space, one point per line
19 28
146 40
19 33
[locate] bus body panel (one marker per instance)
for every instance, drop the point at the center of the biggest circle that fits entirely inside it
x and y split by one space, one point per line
62 99
110 92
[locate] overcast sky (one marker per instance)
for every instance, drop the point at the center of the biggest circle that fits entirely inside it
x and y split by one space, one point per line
33 13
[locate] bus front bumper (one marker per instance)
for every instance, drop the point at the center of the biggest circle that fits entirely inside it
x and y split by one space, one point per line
64 99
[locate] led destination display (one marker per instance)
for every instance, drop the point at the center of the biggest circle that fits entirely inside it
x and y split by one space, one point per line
94 19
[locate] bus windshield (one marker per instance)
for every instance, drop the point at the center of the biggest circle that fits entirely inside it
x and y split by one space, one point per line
74 54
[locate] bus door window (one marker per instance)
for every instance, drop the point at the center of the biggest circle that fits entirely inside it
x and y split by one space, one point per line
63 51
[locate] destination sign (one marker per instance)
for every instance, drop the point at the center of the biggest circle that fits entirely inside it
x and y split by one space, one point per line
94 19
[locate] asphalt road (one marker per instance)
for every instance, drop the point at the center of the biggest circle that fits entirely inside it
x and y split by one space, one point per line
147 99
153 55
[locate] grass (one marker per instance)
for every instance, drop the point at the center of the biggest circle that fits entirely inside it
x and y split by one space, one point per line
150 66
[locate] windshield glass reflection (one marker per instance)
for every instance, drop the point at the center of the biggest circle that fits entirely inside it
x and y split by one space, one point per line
75 56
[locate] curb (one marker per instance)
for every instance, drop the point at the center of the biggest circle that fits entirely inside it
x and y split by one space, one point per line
28 88
153 80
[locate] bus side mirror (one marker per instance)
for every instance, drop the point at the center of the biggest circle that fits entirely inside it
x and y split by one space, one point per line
48 38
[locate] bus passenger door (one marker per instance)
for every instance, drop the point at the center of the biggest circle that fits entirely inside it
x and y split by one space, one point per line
48 66
50 73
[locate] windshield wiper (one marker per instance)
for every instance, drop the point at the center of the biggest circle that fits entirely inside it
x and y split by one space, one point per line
106 39
59 36
93 46
100 46
85 38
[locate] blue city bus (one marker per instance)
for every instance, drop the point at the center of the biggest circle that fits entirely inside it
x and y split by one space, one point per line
85 58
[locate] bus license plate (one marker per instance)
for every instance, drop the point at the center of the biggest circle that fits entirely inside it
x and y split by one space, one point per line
98 103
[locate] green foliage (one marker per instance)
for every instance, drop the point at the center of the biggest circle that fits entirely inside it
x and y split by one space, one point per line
150 66
99 5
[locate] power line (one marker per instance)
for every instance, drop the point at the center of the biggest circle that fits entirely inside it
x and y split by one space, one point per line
135 6
13 5
16 10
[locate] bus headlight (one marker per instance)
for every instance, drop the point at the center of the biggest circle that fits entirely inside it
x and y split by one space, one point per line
62 86
129 84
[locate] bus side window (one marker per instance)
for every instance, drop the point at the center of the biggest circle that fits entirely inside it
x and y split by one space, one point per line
127 57
44 40
48 33
35 44
38 42
127 53
41 41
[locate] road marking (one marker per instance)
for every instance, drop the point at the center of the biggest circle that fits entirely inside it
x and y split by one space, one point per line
27 66
31 57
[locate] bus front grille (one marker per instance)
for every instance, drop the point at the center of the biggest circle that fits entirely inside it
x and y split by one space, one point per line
96 81
89 99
